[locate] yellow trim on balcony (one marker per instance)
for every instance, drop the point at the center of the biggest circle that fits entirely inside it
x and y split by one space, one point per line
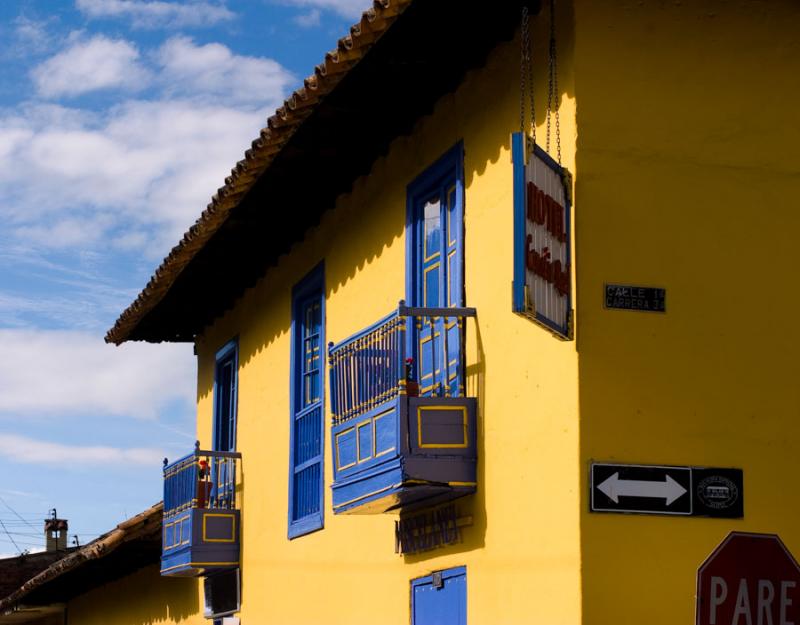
232 539
422 445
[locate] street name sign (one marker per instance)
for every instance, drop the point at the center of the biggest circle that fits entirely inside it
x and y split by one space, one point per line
749 579
670 490
641 298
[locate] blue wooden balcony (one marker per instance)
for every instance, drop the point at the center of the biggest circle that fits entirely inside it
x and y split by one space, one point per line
201 523
403 433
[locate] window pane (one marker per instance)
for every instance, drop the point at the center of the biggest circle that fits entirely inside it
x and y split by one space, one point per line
433 227
311 360
224 410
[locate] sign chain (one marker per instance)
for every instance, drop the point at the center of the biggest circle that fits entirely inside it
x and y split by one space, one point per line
526 75
552 86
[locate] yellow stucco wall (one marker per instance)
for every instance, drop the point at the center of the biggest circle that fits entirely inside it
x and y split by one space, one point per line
522 552
688 178
141 598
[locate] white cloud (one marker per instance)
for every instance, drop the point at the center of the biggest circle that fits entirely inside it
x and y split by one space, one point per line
18 493
33 451
147 166
346 8
133 176
62 373
308 20
82 296
66 232
91 65
31 36
213 70
157 13
16 553
86 307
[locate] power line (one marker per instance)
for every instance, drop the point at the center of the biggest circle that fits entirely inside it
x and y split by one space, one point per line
23 542
14 511
12 540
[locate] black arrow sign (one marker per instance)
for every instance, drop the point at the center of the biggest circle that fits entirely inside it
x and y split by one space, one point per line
669 490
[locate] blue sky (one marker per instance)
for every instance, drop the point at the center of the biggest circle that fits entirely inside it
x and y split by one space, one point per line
118 121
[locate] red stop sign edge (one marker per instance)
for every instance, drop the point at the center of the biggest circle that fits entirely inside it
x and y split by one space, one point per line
721 546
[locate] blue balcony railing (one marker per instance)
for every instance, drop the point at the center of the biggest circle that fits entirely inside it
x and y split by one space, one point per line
402 430
365 370
201 522
405 348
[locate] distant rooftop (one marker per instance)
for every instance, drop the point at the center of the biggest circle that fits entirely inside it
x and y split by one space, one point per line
34 583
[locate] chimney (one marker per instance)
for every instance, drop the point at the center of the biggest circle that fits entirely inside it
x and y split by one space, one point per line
55 531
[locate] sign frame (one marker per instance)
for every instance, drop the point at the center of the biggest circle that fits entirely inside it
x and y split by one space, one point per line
652 291
712 492
522 147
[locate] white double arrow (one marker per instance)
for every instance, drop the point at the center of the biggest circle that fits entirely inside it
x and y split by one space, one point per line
614 488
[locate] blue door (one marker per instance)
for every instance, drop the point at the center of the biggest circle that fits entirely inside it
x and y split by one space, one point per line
440 599
435 265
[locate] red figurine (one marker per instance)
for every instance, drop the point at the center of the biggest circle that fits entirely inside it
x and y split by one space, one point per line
412 387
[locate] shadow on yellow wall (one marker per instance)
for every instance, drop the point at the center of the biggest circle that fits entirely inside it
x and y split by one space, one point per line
142 598
689 178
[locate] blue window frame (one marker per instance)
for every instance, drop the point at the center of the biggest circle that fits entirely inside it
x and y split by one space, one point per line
225 397
226 368
307 432
440 599
435 268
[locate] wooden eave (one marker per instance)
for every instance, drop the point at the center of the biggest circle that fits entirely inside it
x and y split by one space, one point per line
397 61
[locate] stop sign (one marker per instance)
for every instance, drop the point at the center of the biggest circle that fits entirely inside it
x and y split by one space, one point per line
749 579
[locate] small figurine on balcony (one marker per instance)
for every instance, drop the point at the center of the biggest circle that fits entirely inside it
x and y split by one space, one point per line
203 485
412 387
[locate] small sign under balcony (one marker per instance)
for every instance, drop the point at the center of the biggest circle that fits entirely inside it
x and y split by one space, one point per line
429 529
403 433
201 522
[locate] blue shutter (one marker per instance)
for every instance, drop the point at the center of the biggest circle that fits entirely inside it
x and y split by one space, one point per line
307 420
442 603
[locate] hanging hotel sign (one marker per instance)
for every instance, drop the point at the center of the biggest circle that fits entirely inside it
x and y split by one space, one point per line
542 237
